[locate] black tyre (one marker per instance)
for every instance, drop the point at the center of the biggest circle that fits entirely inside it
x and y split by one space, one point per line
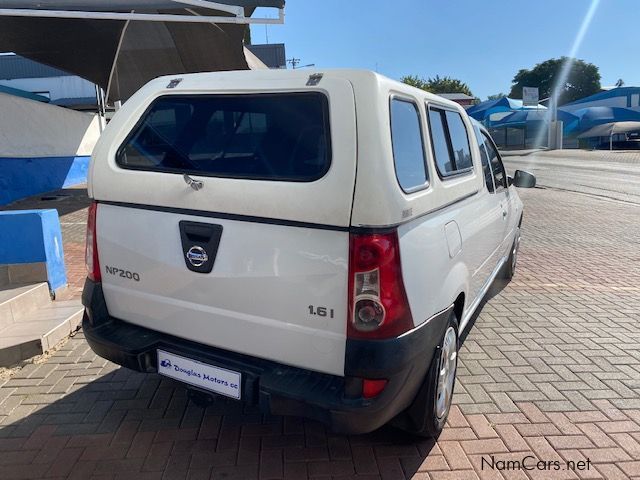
428 413
509 268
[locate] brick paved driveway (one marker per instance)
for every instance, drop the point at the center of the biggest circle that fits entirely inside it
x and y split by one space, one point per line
551 369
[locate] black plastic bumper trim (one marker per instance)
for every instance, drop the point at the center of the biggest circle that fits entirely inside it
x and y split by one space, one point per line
281 389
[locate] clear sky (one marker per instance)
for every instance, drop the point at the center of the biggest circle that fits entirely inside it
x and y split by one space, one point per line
483 43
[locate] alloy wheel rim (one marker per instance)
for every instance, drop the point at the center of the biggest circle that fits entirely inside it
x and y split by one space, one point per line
447 372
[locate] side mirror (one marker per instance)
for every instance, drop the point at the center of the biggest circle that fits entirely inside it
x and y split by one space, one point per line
524 179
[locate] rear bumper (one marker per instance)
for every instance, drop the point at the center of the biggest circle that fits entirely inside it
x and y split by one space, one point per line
280 389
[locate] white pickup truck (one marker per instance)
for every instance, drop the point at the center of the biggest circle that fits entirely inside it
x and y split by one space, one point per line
310 243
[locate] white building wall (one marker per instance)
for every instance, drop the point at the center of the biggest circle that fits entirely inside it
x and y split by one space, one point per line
34 129
56 87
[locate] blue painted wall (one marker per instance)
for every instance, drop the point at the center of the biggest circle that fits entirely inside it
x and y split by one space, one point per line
32 236
23 177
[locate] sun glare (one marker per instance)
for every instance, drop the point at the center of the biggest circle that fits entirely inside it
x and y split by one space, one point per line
566 66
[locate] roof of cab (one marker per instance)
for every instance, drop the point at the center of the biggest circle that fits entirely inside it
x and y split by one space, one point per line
359 78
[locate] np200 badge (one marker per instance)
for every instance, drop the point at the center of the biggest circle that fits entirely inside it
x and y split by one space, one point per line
119 272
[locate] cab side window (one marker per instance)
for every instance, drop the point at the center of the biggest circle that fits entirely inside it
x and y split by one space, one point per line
459 140
499 174
484 157
450 142
408 151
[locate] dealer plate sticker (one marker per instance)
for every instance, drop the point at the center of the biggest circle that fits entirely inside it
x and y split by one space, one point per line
216 379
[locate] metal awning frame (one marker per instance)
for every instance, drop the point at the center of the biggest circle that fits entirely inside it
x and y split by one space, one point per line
237 12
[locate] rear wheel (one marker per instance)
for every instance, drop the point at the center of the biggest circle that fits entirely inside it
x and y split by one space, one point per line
428 414
509 269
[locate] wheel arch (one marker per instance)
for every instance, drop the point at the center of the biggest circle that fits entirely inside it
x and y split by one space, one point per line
456 289
458 306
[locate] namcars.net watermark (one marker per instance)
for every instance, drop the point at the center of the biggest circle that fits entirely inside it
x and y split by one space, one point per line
529 462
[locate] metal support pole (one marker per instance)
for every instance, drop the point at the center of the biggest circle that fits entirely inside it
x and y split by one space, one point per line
101 108
555 127
149 17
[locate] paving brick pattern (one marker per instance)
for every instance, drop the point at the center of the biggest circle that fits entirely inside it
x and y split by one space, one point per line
629 157
550 371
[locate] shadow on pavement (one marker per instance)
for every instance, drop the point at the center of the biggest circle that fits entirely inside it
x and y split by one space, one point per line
116 423
65 201
496 287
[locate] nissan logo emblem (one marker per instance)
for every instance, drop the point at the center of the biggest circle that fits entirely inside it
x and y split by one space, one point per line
197 256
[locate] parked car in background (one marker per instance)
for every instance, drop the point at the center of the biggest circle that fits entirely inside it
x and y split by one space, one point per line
312 244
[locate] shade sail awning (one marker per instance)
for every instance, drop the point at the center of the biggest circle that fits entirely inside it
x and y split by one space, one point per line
122 54
180 11
531 117
128 5
608 129
484 110
593 116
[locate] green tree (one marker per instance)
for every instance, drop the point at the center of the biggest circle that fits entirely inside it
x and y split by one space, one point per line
415 81
583 79
438 84
496 96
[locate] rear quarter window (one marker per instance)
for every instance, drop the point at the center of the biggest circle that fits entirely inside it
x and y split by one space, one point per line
282 137
408 150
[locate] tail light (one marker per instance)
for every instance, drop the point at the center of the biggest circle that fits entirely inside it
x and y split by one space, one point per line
372 388
91 252
378 305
